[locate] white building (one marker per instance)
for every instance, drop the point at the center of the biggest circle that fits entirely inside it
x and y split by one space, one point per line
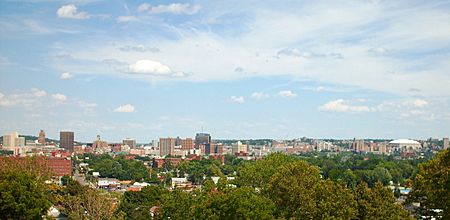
405 145
238 148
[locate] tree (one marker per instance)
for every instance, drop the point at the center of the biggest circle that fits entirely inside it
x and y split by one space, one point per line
257 174
239 203
431 187
90 204
378 203
136 205
23 192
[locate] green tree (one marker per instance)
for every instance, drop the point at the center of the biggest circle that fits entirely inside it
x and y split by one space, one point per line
299 193
136 205
431 187
239 203
378 203
23 192
257 174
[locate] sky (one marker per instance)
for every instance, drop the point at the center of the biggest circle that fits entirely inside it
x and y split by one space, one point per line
235 69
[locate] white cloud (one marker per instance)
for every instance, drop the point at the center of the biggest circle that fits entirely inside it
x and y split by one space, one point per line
287 94
174 8
144 7
71 11
138 48
65 75
237 99
122 19
28 98
418 103
378 50
259 95
39 93
341 105
149 67
59 97
127 108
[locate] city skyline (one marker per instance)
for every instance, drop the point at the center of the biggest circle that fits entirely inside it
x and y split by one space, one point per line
150 69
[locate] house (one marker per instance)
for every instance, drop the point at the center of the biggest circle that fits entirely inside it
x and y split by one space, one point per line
108 183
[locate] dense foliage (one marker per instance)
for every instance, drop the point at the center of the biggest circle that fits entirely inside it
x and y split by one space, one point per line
431 187
23 192
119 167
276 187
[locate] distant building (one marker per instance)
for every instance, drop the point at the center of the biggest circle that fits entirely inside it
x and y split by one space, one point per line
66 140
186 144
41 138
100 146
130 142
167 146
238 148
59 166
12 142
202 138
358 145
211 149
405 145
446 143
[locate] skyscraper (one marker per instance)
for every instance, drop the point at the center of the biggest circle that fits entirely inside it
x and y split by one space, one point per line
186 144
66 139
167 146
202 138
130 142
445 140
41 138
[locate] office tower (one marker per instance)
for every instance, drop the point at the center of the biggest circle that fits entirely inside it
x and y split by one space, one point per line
100 146
358 145
130 142
202 138
186 144
13 140
213 149
239 148
445 140
41 138
167 146
66 139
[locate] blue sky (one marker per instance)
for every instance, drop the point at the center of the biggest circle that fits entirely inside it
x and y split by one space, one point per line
237 69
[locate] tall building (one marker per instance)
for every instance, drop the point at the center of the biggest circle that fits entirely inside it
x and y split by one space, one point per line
239 148
358 145
167 146
212 149
41 138
202 138
66 139
130 142
186 144
100 146
445 140
13 140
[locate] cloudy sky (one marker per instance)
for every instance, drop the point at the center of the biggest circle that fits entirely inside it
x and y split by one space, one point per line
237 69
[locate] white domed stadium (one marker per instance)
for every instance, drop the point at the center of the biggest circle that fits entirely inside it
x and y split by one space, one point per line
405 145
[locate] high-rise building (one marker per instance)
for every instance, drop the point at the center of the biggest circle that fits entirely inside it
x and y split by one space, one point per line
202 138
358 145
167 146
100 146
213 149
13 140
186 144
445 140
66 139
130 142
239 148
41 138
